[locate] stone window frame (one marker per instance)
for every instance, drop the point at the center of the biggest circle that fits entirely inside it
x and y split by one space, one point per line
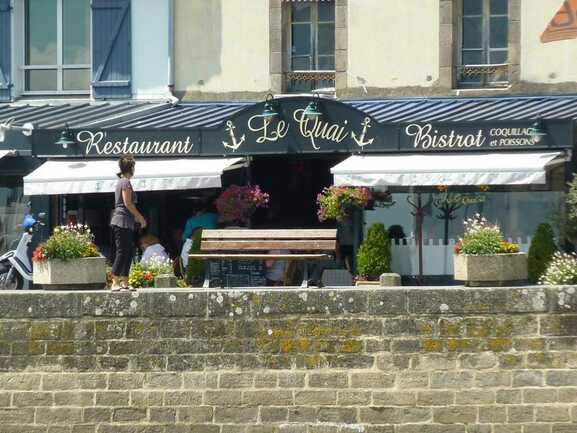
450 46
279 44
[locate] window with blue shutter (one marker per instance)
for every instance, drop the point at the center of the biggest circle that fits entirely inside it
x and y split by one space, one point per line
111 49
5 51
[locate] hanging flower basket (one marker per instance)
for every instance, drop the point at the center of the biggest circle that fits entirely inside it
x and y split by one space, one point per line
339 202
239 203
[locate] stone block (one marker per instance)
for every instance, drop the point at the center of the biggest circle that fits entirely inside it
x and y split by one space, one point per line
455 414
370 380
493 379
112 398
520 414
315 398
390 280
162 415
552 414
527 378
492 414
380 415
195 415
236 380
387 302
163 380
337 415
417 414
435 398
302 414
231 415
19 382
165 281
395 398
273 414
267 398
32 399
353 398
475 397
328 380
57 415
222 398
452 380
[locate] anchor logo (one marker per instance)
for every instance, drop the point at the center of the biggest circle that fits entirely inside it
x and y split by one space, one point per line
230 129
361 142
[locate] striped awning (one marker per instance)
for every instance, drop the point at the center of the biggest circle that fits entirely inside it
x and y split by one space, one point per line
206 115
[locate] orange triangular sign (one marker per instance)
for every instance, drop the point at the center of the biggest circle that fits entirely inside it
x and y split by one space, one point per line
563 25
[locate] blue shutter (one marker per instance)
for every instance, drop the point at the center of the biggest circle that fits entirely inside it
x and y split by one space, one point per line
111 49
5 51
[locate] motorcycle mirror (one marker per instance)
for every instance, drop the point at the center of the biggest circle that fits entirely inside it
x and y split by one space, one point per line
41 215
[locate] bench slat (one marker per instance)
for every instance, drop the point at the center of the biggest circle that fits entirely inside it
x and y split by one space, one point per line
256 245
269 234
259 256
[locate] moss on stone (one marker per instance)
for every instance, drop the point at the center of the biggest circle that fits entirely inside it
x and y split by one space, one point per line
499 344
432 345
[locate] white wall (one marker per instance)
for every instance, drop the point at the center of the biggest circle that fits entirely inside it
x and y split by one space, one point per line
150 49
393 43
222 45
555 62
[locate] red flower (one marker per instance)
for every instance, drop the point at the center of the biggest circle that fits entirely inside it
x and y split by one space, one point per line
38 254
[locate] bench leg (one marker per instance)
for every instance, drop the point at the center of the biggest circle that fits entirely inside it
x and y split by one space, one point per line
206 284
305 283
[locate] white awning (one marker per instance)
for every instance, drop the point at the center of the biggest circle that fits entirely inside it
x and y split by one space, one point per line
4 153
91 176
506 168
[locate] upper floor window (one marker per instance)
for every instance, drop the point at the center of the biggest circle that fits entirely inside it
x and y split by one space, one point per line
312 36
57 47
484 43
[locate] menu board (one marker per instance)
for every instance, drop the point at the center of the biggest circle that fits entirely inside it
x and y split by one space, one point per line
237 273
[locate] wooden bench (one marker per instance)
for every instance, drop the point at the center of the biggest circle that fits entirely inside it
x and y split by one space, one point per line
246 244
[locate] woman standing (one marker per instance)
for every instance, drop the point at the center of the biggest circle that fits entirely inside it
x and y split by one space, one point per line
123 223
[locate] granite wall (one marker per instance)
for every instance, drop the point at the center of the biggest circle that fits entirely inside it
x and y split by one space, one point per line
403 360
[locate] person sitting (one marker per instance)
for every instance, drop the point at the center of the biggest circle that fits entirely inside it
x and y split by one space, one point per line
151 249
204 218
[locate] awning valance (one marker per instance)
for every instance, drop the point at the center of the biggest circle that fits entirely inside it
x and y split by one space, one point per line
505 168
84 177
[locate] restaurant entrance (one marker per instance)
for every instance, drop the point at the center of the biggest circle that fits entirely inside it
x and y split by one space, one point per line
293 183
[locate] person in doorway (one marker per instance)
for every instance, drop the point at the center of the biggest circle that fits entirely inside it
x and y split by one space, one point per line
275 269
125 218
205 218
151 249
346 239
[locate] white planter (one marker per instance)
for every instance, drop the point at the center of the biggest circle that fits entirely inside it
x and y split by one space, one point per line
87 273
491 270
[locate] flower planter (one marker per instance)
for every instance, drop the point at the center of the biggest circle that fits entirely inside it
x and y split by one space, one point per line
491 270
78 274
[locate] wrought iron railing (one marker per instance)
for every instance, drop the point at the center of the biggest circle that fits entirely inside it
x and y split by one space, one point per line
471 76
308 81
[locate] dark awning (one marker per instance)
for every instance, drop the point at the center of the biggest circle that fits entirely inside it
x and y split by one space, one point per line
135 115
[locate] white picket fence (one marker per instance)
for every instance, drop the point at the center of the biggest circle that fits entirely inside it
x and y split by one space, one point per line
437 258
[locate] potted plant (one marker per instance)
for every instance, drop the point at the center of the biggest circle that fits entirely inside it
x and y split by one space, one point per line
69 259
483 257
374 256
237 204
339 202
157 272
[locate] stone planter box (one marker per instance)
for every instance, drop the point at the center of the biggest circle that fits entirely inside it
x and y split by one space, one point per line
165 281
84 274
367 283
492 270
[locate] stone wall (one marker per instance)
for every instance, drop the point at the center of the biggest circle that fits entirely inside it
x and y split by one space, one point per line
410 360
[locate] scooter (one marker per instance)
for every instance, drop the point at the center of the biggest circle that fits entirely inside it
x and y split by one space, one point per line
16 265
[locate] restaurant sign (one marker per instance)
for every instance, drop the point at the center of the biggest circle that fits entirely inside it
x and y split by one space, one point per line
480 136
339 128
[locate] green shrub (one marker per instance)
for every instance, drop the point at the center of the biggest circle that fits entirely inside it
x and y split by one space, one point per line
195 268
541 252
571 210
374 255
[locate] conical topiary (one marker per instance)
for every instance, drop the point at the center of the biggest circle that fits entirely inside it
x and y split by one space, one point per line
541 252
374 255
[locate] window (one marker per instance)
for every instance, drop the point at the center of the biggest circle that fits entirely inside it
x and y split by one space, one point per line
57 46
312 57
484 43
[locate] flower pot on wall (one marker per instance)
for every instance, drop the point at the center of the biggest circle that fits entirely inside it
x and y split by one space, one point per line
77 274
491 270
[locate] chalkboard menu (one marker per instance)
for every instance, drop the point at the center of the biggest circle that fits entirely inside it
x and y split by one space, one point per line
237 273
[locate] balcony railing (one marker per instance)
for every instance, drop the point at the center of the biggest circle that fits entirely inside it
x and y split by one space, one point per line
483 76
309 81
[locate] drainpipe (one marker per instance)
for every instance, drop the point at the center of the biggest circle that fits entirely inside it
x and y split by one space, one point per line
173 98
